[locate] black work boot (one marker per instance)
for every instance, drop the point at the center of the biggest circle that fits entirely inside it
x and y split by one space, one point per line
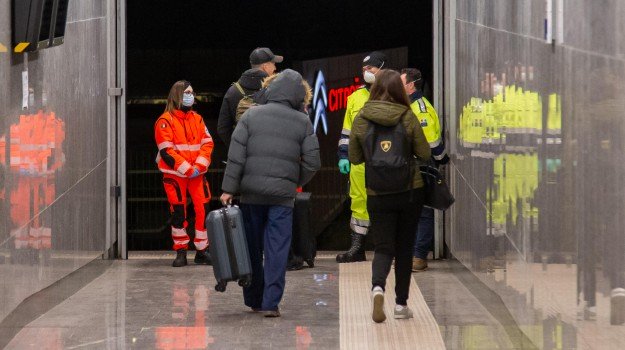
181 258
202 257
356 252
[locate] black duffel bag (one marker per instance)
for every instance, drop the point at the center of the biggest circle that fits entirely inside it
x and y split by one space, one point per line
437 194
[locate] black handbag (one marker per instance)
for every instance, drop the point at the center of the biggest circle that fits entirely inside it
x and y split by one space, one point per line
437 194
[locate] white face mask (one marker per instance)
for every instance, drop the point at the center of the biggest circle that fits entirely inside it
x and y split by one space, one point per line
369 77
187 99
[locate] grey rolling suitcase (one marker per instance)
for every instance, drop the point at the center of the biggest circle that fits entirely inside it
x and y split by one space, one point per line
228 247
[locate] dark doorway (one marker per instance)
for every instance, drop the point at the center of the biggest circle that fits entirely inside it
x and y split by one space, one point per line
209 42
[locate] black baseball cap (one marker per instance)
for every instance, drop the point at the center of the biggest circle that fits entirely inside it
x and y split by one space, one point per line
375 59
262 55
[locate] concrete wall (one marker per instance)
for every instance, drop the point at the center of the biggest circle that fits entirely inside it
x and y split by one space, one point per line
53 155
536 130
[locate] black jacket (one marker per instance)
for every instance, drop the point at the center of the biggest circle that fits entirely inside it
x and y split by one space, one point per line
251 81
274 149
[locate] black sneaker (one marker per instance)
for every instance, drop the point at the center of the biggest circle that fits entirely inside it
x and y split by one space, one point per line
181 258
202 257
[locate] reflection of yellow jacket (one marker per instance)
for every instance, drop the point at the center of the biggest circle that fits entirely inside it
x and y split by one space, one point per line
515 179
554 116
471 123
514 111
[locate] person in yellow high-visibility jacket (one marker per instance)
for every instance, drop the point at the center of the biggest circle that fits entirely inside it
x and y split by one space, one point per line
359 222
430 124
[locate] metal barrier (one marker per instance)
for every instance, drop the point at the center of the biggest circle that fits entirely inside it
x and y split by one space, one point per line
148 217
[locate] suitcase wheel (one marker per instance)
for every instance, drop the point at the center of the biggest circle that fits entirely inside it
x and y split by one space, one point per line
220 287
245 282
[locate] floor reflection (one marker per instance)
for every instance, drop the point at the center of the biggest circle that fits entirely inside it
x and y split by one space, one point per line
148 304
194 337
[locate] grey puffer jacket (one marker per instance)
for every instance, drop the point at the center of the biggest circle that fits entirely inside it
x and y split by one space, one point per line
273 148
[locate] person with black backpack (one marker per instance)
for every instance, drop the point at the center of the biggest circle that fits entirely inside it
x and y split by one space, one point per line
387 136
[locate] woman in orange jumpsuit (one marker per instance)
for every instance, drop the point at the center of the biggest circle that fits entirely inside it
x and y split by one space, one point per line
184 155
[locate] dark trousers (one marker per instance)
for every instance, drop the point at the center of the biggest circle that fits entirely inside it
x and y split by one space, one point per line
268 230
394 219
425 234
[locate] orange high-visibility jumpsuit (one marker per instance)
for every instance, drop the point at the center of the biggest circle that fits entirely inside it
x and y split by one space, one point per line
184 145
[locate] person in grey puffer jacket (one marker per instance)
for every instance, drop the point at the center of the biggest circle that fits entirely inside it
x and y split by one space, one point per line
273 151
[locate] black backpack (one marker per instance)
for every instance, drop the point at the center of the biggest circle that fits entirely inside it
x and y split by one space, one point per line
388 158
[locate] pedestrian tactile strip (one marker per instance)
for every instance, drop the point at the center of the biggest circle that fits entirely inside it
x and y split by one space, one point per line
357 329
326 255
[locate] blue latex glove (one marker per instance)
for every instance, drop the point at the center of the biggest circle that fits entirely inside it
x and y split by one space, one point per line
344 166
196 173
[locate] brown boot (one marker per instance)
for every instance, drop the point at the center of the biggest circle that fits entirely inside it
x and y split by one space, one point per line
419 264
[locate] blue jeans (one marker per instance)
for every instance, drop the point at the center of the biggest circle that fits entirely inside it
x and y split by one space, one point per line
425 234
268 229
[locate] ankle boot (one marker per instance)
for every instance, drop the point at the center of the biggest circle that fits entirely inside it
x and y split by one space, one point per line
356 252
181 258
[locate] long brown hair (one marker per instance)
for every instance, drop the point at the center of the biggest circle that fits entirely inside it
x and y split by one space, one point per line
174 100
389 87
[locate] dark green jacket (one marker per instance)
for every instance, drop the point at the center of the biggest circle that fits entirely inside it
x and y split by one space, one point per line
388 114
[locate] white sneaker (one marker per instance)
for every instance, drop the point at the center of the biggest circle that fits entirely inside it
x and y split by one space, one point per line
402 312
378 315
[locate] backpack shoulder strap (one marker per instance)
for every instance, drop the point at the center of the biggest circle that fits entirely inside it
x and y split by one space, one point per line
239 87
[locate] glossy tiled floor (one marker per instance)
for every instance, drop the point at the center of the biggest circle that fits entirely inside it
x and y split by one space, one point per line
147 304
143 303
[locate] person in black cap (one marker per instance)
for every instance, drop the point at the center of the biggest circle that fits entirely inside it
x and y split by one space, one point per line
262 58
359 222
371 65
263 63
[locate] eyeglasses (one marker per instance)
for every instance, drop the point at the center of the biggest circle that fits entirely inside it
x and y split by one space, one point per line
189 93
